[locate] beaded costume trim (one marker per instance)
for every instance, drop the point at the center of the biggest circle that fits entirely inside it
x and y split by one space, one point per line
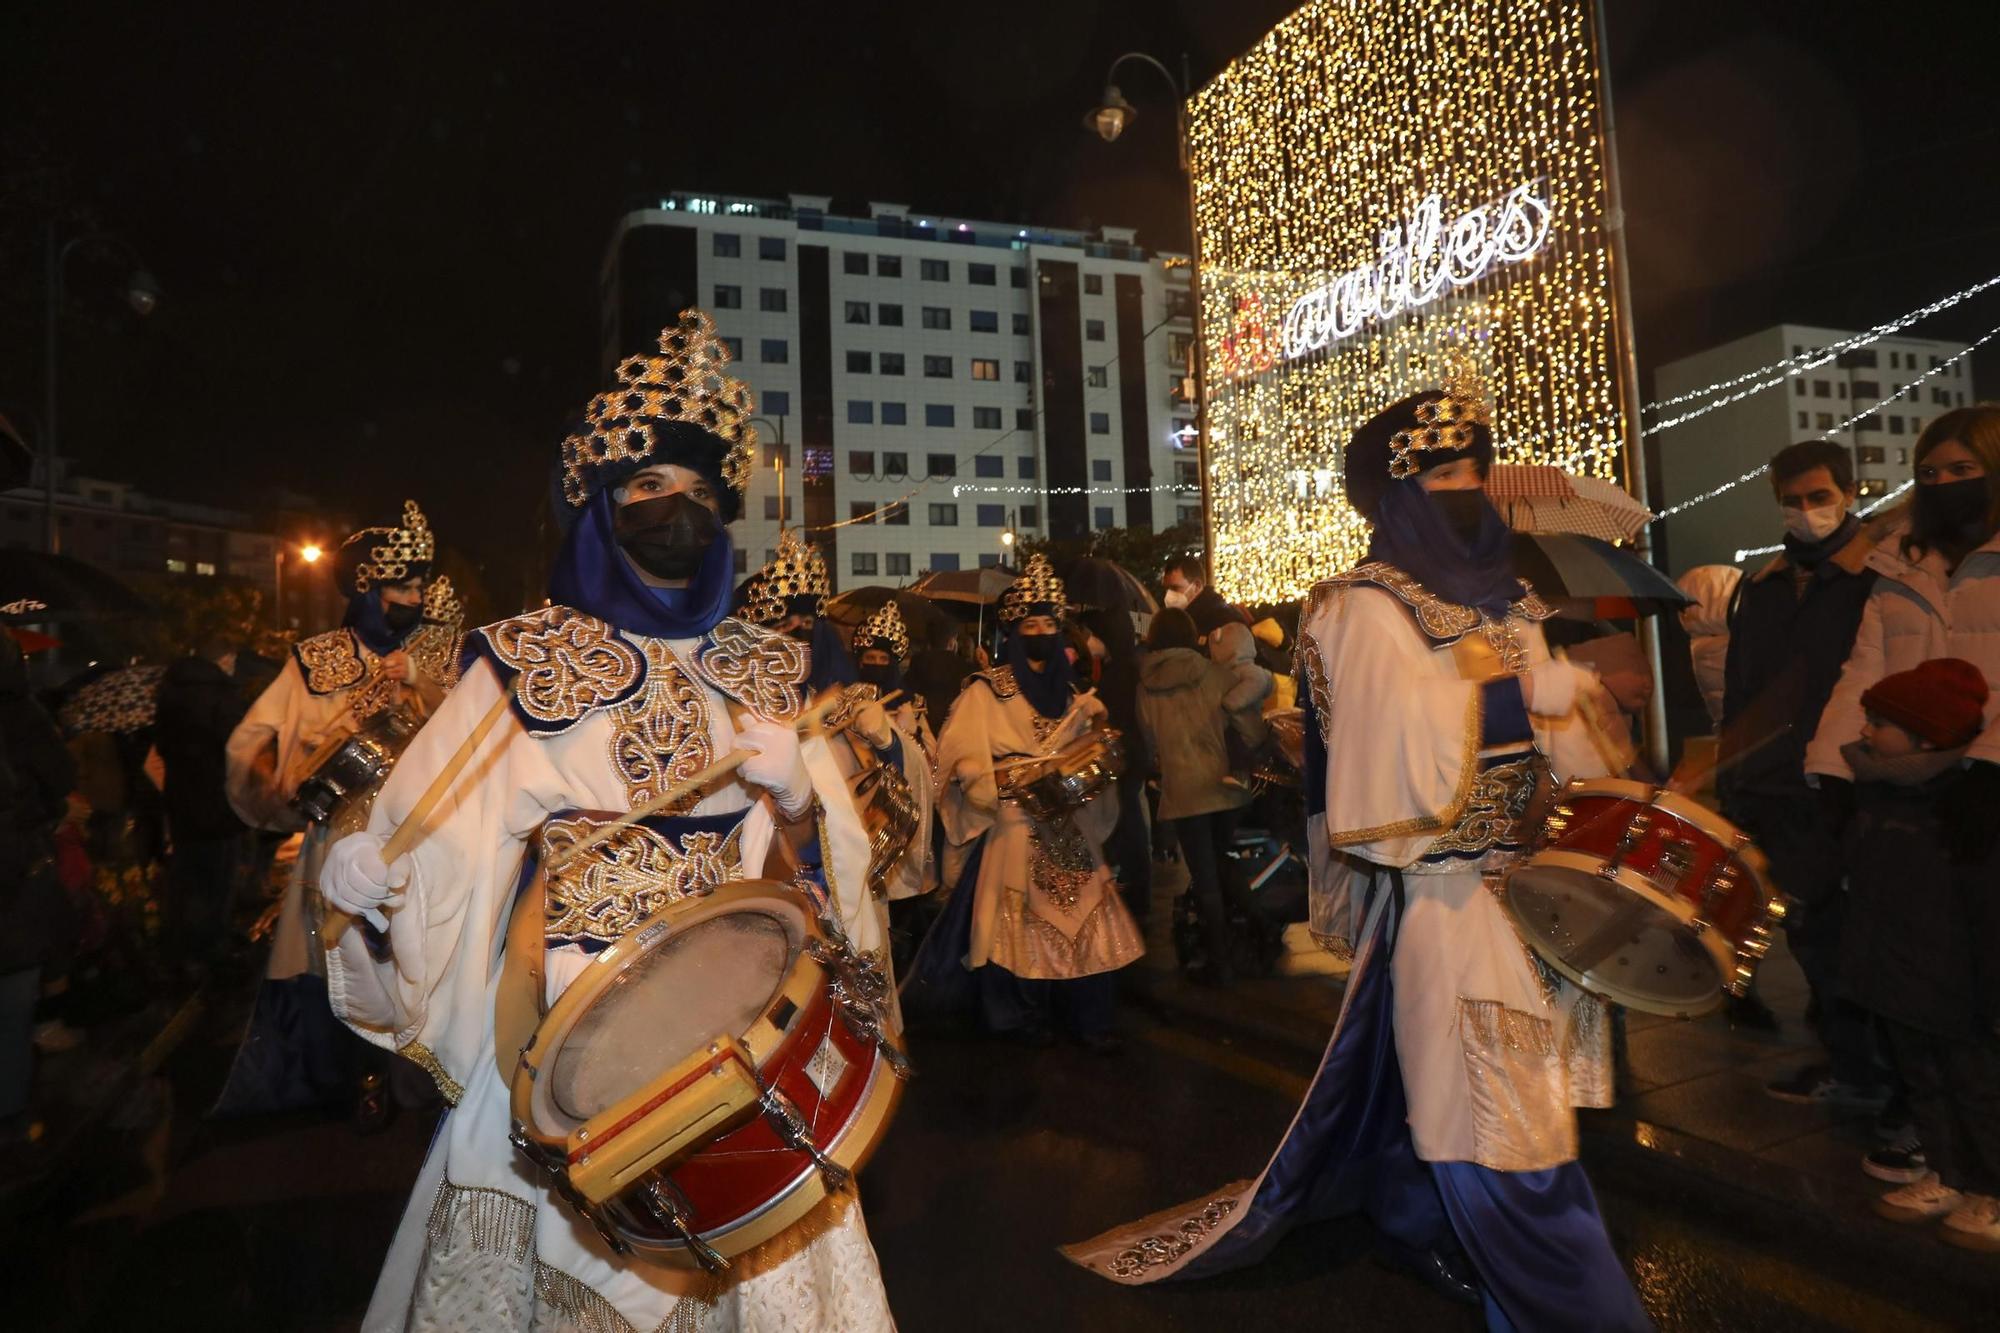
332 661
602 894
1443 819
1441 621
1000 680
569 665
1494 811
764 672
660 735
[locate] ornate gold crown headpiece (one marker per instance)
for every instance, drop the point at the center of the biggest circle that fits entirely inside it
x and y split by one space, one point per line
385 555
688 382
885 624
1037 586
798 570
1443 424
441 604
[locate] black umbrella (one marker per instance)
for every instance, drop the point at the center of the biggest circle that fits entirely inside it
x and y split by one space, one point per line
1563 565
1105 585
37 588
968 587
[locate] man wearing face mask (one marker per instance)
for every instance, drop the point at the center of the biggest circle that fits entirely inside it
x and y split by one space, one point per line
896 738
1792 627
1034 912
1185 586
788 596
293 1053
1443 1108
634 677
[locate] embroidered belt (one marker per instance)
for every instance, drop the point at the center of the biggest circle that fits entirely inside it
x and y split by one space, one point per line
596 898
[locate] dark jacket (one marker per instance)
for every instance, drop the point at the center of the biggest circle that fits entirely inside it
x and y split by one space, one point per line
1788 639
1208 610
36 777
936 675
1180 706
198 707
1921 941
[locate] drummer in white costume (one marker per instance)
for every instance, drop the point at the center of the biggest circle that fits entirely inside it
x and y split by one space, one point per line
633 678
1443 1106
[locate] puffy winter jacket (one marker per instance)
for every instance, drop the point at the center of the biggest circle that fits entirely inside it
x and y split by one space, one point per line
1713 587
1916 612
1180 706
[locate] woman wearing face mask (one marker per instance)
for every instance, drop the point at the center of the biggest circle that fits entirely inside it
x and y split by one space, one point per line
634 677
1034 912
898 738
788 596
294 1054
1443 1106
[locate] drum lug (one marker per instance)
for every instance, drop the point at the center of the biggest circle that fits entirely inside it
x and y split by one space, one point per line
785 1118
666 1202
1628 842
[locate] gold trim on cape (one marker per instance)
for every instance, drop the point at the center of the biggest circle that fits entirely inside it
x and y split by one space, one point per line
1446 818
763 671
332 661
569 664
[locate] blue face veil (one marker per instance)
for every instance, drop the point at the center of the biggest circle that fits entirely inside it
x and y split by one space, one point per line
1049 689
592 574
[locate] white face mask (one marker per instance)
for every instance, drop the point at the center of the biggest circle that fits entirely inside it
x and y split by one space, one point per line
1175 599
1813 525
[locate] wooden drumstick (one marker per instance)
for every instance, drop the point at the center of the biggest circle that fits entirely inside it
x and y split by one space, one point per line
722 767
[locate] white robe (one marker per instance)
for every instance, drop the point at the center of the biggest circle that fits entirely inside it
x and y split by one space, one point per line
483 1244
1494 1051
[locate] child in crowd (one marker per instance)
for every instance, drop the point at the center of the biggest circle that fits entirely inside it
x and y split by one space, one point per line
1233 646
1918 948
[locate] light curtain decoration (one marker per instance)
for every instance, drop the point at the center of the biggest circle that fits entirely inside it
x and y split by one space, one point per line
1379 184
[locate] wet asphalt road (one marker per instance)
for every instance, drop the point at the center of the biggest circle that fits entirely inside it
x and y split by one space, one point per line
999 1155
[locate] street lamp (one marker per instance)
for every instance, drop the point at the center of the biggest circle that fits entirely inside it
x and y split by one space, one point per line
777 465
142 295
310 553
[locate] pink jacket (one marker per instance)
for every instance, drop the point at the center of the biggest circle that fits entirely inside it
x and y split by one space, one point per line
1916 613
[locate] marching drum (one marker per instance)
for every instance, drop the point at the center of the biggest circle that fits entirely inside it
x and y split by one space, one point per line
340 786
1644 898
711 1077
1051 786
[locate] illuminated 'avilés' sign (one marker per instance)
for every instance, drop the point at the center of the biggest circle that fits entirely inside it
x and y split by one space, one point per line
1418 264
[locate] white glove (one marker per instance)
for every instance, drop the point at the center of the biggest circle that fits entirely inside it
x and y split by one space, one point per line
871 722
776 765
355 881
1550 687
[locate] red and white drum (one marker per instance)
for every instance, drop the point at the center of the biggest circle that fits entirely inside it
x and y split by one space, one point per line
1645 898
712 1076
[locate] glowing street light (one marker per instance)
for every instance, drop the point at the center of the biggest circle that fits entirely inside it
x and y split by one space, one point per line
310 553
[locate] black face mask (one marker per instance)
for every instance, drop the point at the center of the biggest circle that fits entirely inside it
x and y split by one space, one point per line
399 616
802 633
668 536
1952 510
882 677
1465 511
1039 647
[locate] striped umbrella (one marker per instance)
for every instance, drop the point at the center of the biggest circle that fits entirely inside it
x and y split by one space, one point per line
1618 582
1538 497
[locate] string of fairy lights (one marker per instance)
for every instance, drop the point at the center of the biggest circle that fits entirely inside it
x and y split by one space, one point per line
1363 160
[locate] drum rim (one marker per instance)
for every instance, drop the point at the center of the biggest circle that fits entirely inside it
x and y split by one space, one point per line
1720 953
1732 839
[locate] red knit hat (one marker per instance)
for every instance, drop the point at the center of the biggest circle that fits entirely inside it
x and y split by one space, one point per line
1941 701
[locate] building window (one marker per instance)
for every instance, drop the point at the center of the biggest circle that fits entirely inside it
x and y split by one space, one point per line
937 367
857 312
888 266
895 464
1867 389
1188 474
1021 325
1024 418
176 566
989 465
742 561
1799 387
860 412
1101 517
1869 486
860 363
944 515
986 418
726 245
898 563
890 363
985 368
1031 516
1097 377
862 563
1017 277
770 247
777 403
771 300
935 270
203 567
940 415
1823 421
860 511
992 516
1821 389
1895 425
1802 421
1895 360
940 465
735 347
1093 330
776 454
1093 284
983 321
1024 372
895 414
1903 456
854 261
1869 453
771 507
896 515
944 562
1178 347
1024 467
728 298
860 462
1100 469
889 315
937 316
980 275
1100 423
1866 423
774 352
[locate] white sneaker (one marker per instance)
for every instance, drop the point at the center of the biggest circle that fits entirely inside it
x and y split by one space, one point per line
1920 1201
55 1036
1976 1224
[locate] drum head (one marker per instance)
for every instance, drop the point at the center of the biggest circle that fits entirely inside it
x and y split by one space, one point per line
715 976
1613 942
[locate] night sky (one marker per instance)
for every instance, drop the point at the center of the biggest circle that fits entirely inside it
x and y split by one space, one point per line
378 227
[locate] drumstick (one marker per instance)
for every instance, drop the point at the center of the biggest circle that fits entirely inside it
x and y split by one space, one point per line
722 767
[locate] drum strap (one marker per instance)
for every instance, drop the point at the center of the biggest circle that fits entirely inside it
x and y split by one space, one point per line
518 999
